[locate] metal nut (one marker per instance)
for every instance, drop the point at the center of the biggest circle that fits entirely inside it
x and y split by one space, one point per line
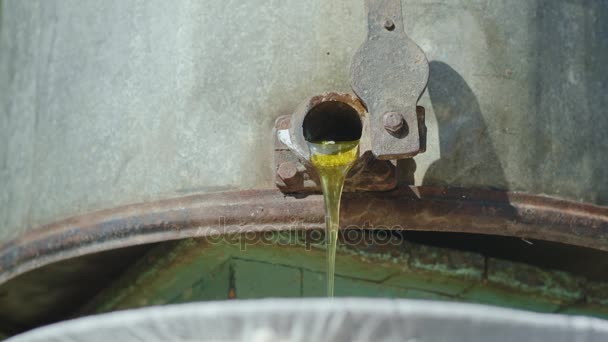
393 122
288 173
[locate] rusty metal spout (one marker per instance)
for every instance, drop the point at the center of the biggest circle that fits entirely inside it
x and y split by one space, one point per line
329 116
389 73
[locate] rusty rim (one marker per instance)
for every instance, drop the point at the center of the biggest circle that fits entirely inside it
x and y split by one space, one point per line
410 208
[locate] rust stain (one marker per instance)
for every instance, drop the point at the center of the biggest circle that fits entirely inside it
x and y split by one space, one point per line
420 208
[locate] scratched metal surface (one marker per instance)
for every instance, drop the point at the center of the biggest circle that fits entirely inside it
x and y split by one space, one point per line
347 319
115 102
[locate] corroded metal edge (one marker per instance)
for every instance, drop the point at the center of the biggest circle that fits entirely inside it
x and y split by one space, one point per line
409 208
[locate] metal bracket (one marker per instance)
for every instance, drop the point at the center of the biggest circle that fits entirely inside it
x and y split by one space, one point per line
389 73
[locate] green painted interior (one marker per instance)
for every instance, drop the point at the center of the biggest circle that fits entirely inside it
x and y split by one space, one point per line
286 264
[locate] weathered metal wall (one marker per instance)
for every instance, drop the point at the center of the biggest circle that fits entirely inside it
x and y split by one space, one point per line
115 102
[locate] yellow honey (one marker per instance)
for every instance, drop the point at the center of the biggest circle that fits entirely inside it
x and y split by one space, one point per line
332 161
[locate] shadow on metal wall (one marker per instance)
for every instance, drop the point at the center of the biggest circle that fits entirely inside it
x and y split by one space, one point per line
468 158
467 154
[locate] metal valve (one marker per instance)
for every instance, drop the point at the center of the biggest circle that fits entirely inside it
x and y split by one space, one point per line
389 73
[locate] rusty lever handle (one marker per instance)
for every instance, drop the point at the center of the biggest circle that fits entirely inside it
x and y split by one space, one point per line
389 73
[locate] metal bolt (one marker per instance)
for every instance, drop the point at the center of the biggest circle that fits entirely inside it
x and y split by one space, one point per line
389 25
288 173
282 122
393 122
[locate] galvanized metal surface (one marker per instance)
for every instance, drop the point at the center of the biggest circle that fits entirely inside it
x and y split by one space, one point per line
104 104
425 208
389 73
340 320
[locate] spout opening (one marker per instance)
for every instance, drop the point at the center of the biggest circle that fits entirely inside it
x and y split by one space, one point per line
332 121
